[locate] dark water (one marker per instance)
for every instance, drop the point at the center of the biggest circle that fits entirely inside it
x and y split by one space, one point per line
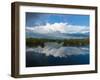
34 59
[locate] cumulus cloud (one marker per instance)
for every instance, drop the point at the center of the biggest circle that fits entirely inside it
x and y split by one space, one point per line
57 50
58 27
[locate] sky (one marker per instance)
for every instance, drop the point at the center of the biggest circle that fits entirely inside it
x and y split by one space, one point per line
52 25
42 18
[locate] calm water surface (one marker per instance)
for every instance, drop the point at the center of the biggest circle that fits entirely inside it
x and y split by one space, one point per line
54 55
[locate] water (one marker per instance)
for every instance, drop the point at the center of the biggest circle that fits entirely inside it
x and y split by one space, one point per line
53 54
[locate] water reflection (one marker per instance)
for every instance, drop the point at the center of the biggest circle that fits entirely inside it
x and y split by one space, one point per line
58 50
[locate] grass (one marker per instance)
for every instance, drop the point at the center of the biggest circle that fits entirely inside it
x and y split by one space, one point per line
34 42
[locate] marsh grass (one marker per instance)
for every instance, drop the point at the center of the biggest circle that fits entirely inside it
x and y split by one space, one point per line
34 42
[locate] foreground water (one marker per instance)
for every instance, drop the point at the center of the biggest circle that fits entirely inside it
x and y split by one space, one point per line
54 54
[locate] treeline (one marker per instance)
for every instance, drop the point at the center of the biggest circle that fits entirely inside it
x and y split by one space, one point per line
33 42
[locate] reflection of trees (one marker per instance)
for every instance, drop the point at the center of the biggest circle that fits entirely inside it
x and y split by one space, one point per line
57 50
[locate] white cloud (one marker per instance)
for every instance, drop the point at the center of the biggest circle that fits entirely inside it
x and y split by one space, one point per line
57 50
58 27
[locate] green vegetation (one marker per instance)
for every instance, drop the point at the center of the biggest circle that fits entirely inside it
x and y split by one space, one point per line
33 42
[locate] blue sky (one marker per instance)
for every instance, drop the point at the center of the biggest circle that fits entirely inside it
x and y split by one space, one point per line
42 18
57 25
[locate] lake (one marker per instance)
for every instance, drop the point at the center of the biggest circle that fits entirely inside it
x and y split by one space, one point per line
54 54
